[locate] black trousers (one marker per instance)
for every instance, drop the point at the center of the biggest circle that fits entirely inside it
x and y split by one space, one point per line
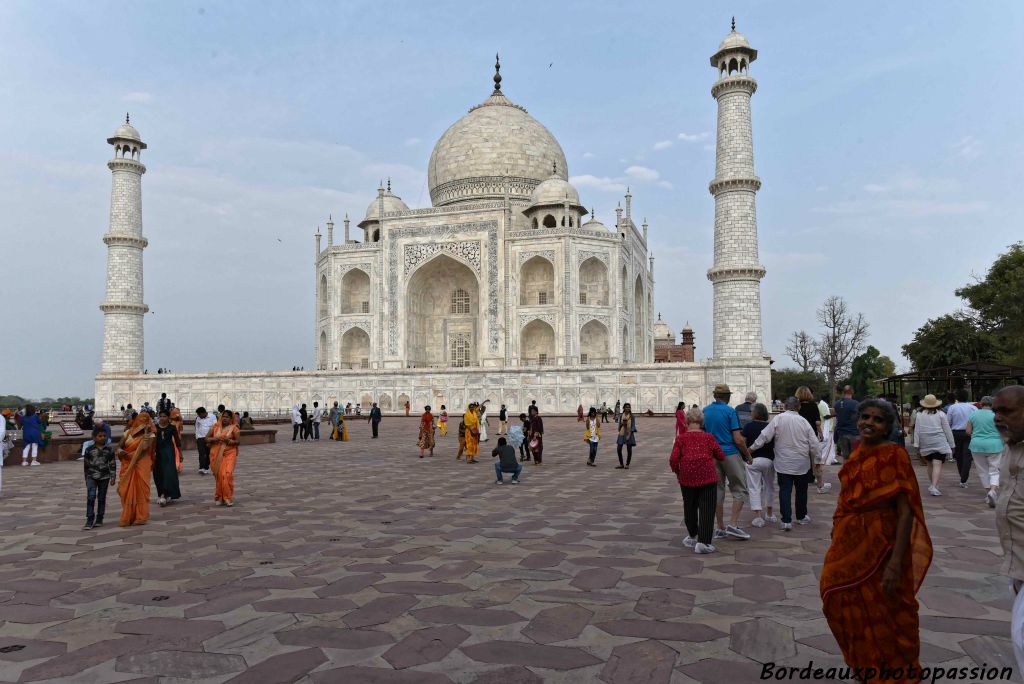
699 511
204 453
629 453
962 454
375 424
295 430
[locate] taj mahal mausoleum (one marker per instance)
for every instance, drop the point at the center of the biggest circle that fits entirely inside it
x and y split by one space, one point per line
506 288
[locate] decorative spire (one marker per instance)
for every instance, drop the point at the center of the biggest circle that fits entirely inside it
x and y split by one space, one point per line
554 167
127 118
497 73
389 183
734 24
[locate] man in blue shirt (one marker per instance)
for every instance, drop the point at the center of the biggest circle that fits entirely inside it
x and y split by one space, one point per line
959 415
721 421
846 424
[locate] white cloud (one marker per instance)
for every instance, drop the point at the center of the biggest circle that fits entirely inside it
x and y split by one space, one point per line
642 173
137 97
692 137
589 155
412 142
600 183
967 147
663 144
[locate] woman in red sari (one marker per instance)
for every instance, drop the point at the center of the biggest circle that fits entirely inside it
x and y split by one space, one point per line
138 443
426 438
223 441
880 552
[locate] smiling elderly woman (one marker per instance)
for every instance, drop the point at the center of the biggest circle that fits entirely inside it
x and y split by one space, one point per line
880 551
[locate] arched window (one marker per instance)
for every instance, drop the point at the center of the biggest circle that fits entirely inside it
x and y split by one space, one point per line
733 66
376 235
323 297
743 66
460 302
549 221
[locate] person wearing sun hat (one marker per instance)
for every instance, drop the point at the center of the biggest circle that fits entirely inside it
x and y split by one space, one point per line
721 420
933 439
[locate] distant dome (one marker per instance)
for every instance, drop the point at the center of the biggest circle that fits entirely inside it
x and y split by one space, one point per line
495 140
662 331
392 202
593 223
734 40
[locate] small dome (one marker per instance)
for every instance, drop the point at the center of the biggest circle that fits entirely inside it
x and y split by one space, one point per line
554 191
392 203
662 331
734 40
126 132
593 223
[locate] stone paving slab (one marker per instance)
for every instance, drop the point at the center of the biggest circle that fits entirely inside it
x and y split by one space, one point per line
359 562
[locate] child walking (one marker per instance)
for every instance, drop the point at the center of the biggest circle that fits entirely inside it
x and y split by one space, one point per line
593 435
100 472
693 461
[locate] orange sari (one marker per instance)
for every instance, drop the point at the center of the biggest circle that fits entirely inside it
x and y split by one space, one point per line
222 461
875 629
179 425
139 444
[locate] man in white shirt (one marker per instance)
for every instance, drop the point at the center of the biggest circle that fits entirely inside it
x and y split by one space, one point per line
204 422
796 446
1008 405
959 414
318 414
296 421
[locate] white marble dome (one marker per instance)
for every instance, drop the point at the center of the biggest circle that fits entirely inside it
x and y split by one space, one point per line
662 331
495 140
554 191
127 132
734 40
392 202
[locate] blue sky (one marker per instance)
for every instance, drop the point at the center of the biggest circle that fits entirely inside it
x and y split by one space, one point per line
887 136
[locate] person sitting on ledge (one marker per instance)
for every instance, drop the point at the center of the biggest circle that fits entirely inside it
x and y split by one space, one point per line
507 462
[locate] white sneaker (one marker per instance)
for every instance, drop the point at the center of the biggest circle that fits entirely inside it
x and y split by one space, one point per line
963 485
736 532
990 499
35 462
757 522
934 491
825 488
773 519
785 527
719 534
704 548
804 520
24 463
689 542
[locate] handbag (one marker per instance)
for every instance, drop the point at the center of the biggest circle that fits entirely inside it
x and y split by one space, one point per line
534 443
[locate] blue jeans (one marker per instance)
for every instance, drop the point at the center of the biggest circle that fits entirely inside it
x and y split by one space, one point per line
515 473
96 493
593 451
786 485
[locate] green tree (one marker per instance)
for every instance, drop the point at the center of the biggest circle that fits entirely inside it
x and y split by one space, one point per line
949 340
998 300
867 369
786 380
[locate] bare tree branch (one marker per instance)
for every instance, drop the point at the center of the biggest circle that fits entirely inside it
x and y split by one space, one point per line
843 337
802 348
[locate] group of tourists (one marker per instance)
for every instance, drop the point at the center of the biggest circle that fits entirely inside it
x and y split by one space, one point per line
306 423
153 450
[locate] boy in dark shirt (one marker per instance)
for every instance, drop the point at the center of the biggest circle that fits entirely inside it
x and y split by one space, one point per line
100 471
507 462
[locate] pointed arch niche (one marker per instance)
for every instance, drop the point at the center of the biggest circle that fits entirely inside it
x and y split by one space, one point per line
537 344
355 292
594 341
442 315
537 282
594 282
355 349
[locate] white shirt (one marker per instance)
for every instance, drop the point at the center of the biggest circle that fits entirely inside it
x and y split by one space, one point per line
203 425
932 434
796 443
318 414
959 413
296 416
824 410
592 426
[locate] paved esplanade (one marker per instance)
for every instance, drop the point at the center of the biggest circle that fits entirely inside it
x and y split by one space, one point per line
359 562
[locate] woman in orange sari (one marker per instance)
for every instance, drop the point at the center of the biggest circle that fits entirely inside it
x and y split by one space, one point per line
223 439
179 425
879 555
426 438
135 452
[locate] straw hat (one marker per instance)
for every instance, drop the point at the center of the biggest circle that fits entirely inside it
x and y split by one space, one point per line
930 402
722 389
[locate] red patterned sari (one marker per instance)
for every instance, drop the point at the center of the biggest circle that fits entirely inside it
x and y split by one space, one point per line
875 629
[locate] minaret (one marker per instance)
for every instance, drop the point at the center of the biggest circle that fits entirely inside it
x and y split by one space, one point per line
330 231
123 309
736 273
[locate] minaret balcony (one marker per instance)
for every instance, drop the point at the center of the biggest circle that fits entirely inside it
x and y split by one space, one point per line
732 83
123 307
126 165
718 274
752 184
111 239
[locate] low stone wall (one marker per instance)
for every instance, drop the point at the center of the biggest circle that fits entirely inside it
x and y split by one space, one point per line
557 390
69 448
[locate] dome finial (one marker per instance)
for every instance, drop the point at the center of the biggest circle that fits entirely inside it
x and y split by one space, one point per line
734 24
127 118
554 167
497 73
389 183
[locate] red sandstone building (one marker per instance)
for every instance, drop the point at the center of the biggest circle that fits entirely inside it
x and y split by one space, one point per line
665 348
